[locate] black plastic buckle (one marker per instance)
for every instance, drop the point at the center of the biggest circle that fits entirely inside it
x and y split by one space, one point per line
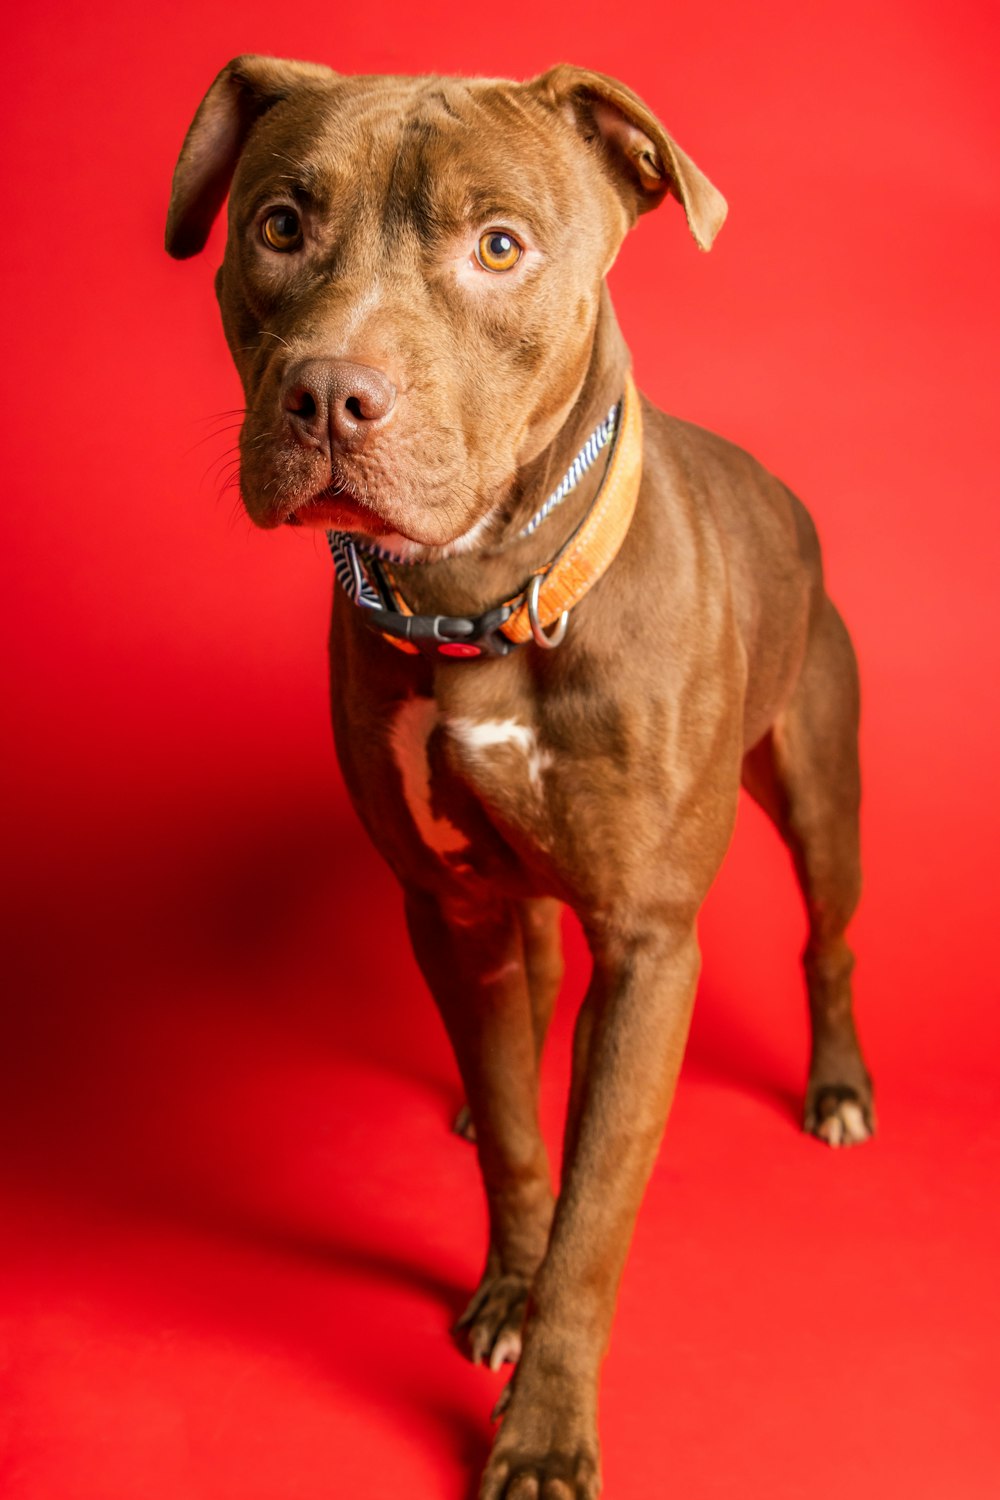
454 637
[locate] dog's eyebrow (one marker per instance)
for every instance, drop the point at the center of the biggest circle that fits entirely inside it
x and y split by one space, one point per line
274 191
302 194
302 178
486 202
302 171
477 206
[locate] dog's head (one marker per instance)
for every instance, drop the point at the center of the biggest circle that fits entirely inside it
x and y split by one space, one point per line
412 276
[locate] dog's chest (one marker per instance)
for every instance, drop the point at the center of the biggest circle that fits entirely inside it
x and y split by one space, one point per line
467 777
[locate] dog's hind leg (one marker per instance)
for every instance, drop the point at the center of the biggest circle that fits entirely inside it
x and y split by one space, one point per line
804 773
541 933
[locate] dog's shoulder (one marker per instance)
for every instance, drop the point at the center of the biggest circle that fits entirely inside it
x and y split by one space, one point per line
724 485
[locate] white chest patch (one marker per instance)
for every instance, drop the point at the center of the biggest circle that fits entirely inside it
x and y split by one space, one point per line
480 739
411 729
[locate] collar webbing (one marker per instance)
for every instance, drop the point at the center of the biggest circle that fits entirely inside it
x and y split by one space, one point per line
553 589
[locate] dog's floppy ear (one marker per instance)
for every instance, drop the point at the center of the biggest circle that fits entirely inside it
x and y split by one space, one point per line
245 89
645 162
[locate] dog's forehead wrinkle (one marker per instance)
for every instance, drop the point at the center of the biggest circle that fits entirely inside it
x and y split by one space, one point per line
448 105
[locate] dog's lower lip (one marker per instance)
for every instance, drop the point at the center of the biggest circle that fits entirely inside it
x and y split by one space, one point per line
332 503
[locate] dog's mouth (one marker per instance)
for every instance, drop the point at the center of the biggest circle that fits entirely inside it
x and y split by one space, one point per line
370 510
337 507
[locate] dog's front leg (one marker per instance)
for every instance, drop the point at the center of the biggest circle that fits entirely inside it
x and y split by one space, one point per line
640 1006
473 960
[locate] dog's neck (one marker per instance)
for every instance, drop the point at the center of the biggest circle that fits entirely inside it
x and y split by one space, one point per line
501 556
600 389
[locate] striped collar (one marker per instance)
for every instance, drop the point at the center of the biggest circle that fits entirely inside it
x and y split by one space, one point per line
366 572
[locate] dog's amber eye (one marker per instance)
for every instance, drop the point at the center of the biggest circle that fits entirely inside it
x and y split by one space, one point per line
282 229
497 250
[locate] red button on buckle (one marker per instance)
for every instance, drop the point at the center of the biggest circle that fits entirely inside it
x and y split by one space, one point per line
459 648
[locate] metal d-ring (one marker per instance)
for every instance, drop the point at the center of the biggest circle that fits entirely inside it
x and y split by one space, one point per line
548 641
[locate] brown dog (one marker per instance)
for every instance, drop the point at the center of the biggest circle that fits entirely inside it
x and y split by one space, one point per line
413 291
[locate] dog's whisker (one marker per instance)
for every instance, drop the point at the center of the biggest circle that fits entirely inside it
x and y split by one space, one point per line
211 437
218 416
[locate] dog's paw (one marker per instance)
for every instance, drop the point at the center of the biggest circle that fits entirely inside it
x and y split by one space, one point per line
463 1125
525 1472
839 1115
492 1321
547 1447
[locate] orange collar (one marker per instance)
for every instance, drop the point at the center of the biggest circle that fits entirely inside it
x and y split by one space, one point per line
548 596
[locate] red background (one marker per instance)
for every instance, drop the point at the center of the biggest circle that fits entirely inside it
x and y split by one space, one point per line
236 1225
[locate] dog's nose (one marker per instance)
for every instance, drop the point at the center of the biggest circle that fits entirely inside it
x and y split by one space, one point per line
333 403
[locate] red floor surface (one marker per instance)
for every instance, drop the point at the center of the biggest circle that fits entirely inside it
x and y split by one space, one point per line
236 1228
